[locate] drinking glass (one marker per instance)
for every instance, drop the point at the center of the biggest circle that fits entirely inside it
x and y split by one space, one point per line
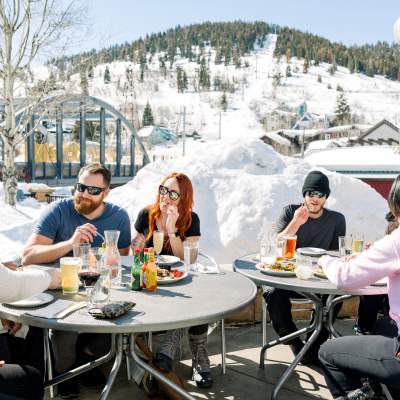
286 246
69 267
90 274
357 245
267 251
342 246
158 242
190 253
82 251
304 267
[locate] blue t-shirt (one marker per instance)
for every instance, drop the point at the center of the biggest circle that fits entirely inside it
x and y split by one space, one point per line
60 220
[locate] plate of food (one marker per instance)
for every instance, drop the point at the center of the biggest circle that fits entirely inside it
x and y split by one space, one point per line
319 272
166 277
277 268
311 251
34 301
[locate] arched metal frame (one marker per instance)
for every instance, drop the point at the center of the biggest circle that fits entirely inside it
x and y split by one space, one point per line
104 106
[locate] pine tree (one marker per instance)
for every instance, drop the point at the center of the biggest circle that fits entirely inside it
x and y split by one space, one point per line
342 111
333 68
90 71
276 79
107 75
288 72
184 81
179 74
306 65
224 102
147 116
319 78
339 88
204 75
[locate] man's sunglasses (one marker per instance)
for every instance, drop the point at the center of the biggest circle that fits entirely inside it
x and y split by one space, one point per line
315 193
92 190
173 194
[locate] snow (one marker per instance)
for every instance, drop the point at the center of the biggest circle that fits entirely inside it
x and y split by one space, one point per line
360 158
240 189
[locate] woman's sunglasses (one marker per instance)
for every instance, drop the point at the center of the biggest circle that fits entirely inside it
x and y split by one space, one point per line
92 190
173 194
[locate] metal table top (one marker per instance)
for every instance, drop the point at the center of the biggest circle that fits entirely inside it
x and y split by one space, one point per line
247 266
197 299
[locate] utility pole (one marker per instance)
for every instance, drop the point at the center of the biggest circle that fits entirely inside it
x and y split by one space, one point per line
219 126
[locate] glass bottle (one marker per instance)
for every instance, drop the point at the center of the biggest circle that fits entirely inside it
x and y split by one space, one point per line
111 257
151 273
136 272
100 294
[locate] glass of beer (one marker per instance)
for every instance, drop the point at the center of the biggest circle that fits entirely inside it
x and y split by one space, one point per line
289 249
158 242
70 267
357 245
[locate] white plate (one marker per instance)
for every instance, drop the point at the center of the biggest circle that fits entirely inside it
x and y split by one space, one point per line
274 271
33 301
311 251
168 280
167 260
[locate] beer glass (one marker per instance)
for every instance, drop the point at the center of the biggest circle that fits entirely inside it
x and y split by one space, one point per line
287 246
158 242
70 267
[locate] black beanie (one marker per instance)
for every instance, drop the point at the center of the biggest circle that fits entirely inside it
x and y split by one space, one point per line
318 181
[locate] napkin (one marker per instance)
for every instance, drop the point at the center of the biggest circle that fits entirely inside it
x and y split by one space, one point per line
207 269
55 310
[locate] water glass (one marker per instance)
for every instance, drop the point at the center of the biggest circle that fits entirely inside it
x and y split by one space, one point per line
304 267
190 253
82 251
344 246
267 251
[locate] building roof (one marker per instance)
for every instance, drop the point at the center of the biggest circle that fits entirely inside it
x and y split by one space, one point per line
378 125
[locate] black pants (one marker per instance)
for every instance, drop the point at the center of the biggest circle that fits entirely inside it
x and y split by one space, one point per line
280 307
368 311
22 376
347 359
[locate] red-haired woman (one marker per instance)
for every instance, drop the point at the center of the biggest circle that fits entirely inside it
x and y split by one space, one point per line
172 214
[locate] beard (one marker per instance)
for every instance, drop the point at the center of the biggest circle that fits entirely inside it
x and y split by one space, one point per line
86 206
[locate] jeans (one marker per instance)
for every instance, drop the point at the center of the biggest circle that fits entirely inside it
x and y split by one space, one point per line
280 307
347 359
23 374
368 310
68 346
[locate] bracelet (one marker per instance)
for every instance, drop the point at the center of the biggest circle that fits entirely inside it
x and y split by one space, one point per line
171 234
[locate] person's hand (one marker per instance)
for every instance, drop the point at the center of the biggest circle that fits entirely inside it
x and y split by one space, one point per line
2 363
55 275
301 215
83 234
138 241
172 217
11 326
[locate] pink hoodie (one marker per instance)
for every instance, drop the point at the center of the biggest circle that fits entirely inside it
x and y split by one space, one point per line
380 260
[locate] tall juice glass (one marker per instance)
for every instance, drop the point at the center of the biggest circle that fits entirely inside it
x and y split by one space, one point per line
158 242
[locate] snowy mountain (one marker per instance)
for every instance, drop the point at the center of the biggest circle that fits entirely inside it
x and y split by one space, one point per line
254 104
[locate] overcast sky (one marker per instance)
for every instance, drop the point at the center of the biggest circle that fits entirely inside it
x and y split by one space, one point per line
347 21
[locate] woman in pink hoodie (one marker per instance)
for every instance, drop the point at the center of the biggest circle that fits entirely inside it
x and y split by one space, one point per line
347 359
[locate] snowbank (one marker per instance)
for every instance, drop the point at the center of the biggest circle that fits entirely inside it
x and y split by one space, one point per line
240 189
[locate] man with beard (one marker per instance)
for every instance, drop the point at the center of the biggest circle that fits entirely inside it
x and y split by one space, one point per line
315 226
67 223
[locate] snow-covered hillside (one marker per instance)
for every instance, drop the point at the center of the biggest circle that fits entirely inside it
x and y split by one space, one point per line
254 99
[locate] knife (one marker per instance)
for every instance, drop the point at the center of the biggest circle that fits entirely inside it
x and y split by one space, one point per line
70 309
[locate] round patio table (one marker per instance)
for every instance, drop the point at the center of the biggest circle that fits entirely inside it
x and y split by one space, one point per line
310 289
197 299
